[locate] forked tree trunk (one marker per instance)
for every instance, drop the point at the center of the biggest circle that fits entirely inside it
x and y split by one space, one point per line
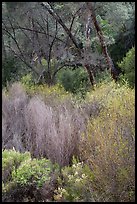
72 37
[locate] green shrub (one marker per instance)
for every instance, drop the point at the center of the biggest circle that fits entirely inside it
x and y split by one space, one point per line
29 178
24 170
75 81
9 70
12 70
10 161
103 76
27 80
33 172
108 145
128 66
76 184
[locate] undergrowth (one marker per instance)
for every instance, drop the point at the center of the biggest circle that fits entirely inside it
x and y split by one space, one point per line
99 131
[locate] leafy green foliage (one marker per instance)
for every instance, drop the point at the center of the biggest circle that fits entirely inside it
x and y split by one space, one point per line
10 69
75 81
107 29
104 76
27 80
25 173
128 66
19 169
10 161
32 172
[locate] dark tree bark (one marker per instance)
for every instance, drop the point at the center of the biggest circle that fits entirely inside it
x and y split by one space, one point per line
109 61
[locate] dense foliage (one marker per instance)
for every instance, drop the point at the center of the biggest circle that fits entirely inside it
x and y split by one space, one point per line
128 67
21 174
43 46
98 130
68 102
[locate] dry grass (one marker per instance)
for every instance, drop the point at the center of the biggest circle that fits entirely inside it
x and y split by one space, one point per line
44 130
13 124
54 134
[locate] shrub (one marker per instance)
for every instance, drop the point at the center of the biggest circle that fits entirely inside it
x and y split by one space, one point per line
10 70
10 161
32 172
108 145
50 94
128 66
76 183
103 76
30 179
27 80
75 81
96 99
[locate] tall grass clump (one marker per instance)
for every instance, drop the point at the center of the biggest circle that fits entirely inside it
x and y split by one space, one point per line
14 101
108 147
46 129
52 133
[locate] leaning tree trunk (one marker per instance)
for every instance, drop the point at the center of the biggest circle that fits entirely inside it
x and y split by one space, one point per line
102 41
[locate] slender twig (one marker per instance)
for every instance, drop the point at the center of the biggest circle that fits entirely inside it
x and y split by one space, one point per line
37 31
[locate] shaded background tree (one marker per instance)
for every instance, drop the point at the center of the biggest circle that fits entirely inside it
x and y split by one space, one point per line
38 42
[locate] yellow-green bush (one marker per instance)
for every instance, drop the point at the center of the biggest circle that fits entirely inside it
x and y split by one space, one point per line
50 94
108 145
75 184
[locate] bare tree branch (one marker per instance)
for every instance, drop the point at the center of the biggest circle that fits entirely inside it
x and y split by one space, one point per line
57 17
21 56
31 30
59 20
24 61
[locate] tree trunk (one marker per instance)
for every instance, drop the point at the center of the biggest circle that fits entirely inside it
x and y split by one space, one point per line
87 50
91 76
102 41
